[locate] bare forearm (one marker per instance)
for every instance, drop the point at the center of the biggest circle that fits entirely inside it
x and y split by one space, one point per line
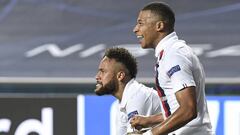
186 112
174 122
155 119
142 121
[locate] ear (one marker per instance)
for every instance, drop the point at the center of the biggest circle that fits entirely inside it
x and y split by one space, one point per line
160 26
121 75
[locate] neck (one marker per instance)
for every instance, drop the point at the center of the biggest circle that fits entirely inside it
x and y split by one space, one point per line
120 89
161 36
119 92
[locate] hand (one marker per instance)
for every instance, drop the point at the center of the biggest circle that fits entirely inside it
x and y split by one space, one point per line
139 122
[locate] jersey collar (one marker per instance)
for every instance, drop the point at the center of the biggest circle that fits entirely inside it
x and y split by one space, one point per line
164 43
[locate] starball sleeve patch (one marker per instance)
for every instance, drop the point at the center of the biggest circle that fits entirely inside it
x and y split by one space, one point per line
173 70
132 114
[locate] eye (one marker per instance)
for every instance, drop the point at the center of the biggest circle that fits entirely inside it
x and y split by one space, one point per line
102 71
140 22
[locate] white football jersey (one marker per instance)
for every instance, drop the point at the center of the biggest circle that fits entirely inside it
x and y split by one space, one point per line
178 67
137 99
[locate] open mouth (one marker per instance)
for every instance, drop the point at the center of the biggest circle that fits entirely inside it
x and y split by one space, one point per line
140 37
99 84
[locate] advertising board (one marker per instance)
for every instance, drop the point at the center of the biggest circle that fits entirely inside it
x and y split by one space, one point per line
92 115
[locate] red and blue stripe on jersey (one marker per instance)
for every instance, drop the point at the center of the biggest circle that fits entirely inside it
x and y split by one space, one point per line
160 91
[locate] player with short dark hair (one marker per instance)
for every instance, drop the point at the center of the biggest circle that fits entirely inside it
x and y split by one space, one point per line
180 78
116 76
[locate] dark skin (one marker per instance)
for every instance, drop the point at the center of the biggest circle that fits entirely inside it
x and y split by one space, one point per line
151 30
140 122
185 113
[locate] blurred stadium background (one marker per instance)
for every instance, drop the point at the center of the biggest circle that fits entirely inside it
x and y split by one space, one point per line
50 51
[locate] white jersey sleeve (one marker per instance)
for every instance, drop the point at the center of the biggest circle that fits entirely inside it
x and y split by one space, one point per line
137 99
178 68
142 104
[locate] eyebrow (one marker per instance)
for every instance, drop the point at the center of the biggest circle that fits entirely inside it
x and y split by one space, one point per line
140 20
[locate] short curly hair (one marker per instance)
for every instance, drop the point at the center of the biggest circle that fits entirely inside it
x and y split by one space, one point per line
123 56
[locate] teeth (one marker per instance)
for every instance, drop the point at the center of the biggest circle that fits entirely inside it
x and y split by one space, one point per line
98 85
140 37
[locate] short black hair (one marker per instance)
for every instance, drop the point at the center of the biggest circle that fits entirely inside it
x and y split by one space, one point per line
164 11
123 56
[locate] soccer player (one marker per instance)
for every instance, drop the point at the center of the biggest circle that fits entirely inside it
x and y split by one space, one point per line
116 76
180 78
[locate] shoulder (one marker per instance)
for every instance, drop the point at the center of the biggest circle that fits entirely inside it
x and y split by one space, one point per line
179 51
181 48
142 91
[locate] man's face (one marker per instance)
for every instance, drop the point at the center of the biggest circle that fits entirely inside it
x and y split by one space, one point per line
106 77
145 29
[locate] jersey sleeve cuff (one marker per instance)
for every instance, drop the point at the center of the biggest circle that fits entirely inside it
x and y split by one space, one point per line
183 85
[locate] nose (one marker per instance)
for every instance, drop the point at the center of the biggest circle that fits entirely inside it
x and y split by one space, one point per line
97 77
135 29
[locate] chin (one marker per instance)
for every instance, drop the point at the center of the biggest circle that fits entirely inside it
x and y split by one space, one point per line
99 92
144 46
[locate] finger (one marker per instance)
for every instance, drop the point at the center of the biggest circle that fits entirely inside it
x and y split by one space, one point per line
132 120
